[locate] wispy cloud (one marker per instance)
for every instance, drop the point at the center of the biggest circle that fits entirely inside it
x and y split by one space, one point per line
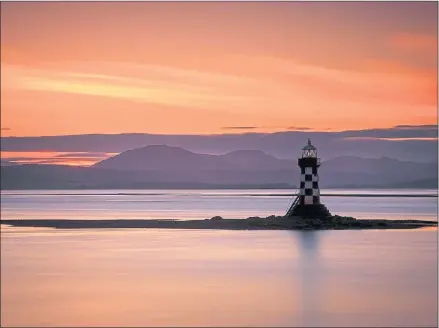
416 127
154 68
273 128
142 83
5 129
50 157
85 155
239 127
269 92
400 132
391 139
299 128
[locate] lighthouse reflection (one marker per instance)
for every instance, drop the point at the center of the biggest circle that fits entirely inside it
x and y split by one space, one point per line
311 277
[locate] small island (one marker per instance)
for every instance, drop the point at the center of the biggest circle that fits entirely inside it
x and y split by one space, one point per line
252 223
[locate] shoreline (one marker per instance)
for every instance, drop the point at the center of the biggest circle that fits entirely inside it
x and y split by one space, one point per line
158 193
217 223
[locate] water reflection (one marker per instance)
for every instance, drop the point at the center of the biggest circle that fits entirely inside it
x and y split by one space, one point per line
219 278
311 286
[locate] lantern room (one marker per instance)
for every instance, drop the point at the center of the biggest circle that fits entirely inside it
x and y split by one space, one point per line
309 151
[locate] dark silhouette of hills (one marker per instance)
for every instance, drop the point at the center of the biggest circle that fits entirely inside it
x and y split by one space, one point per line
421 184
160 166
386 170
256 160
162 157
357 143
68 177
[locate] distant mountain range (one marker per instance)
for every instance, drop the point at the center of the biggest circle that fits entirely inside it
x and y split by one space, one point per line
405 143
161 157
160 166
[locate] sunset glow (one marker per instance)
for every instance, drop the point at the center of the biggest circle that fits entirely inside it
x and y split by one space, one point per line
207 68
59 158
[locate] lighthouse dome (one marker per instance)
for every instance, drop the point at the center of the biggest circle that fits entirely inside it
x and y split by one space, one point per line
309 146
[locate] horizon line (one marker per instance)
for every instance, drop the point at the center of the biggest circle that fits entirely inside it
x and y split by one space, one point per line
241 132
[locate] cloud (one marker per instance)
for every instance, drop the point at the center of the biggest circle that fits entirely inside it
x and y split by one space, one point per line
291 91
328 92
153 84
239 127
5 129
400 132
390 139
44 157
298 128
293 128
85 155
416 127
53 161
166 85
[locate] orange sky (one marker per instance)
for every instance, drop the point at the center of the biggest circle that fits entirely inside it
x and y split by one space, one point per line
198 68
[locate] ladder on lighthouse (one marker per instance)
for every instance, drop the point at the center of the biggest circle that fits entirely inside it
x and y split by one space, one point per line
293 205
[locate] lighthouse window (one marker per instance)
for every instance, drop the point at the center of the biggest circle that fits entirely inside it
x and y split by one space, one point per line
309 153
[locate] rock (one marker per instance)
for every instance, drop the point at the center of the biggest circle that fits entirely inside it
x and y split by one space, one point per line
278 223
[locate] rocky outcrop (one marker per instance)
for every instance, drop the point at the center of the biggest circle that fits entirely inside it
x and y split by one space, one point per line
334 222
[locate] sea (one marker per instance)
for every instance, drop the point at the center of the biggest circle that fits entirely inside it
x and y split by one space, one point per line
160 277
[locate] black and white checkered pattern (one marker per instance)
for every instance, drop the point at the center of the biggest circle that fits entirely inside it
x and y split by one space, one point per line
309 186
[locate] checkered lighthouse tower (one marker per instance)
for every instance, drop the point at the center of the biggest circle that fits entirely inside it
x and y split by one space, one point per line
307 202
309 179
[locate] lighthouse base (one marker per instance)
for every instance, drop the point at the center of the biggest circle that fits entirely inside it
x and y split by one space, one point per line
316 211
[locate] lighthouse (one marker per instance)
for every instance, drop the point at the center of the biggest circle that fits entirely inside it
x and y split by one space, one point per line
307 202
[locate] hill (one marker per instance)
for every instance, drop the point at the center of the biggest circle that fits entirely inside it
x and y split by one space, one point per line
414 143
160 166
166 158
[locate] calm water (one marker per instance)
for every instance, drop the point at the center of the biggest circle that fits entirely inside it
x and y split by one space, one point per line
196 204
214 278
